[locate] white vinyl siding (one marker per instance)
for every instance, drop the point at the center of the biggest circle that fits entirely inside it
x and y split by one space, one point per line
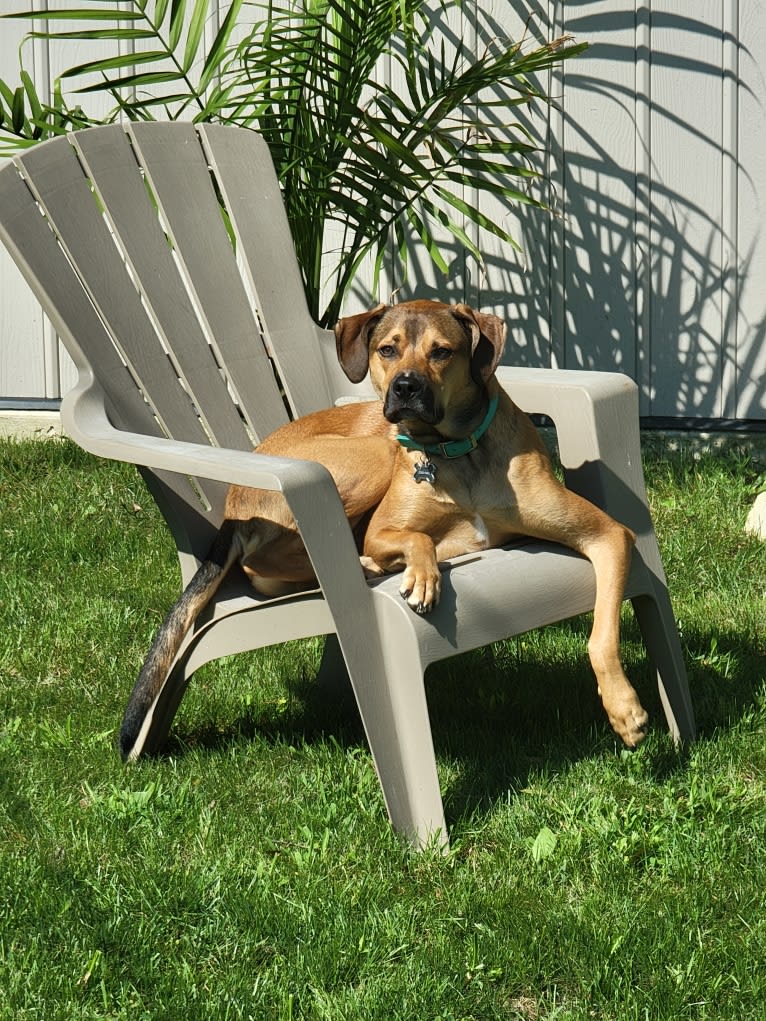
653 261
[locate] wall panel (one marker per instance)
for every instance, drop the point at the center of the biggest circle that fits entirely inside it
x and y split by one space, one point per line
653 259
599 147
746 336
687 275
23 354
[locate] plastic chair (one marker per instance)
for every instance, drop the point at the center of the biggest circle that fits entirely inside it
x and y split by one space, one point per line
191 336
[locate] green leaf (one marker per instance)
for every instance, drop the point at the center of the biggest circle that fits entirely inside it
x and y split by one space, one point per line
78 14
428 241
17 111
194 35
6 94
477 217
486 184
402 247
499 148
160 11
390 174
34 101
133 80
544 844
455 229
34 105
218 49
98 33
114 63
177 12
394 147
377 268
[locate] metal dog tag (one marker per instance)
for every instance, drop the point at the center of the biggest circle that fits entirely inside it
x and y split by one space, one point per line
425 471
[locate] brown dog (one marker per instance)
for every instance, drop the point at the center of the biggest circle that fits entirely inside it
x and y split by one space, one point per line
444 464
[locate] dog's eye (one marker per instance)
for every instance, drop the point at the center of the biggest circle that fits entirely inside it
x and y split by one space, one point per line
387 351
440 354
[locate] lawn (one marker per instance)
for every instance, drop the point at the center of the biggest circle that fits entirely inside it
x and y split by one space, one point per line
250 872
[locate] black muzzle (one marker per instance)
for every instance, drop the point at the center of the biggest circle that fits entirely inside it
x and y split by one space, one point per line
410 395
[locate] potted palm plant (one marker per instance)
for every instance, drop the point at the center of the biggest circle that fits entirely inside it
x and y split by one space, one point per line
365 165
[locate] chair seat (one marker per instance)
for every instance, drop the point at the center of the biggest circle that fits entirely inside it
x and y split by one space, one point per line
507 589
511 585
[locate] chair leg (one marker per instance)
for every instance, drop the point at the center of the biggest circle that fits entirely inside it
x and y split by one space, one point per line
332 677
654 614
391 698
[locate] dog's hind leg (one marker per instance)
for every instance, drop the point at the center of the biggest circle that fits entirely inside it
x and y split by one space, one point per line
567 518
610 553
137 721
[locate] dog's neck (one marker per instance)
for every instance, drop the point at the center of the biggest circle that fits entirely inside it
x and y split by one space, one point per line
453 447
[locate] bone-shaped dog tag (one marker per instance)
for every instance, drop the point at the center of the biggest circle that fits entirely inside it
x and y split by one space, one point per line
425 471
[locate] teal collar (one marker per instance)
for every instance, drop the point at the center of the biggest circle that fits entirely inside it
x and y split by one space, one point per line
452 448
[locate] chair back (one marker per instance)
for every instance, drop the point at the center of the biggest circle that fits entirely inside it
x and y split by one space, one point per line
176 283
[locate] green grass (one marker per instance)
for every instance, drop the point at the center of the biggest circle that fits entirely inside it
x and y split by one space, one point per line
251 873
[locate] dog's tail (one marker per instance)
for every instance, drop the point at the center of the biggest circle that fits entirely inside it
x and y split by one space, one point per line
144 699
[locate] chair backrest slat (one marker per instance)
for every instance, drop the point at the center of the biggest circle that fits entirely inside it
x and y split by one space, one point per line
242 163
53 278
176 286
55 173
179 176
111 167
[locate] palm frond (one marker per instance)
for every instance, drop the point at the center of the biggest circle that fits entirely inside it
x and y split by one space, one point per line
385 163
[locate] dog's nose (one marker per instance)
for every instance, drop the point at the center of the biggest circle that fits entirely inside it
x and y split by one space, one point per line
406 385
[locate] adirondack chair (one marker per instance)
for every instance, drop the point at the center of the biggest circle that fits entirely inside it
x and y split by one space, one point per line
190 346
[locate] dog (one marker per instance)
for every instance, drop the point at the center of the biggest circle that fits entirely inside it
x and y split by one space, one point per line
442 464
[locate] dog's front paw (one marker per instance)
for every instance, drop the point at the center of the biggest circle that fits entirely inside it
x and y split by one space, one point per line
628 717
421 588
370 568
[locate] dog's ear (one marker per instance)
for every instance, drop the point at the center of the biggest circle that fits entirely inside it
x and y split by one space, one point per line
352 337
487 340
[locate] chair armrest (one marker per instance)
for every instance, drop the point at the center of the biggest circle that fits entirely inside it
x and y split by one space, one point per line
582 405
597 429
85 419
307 486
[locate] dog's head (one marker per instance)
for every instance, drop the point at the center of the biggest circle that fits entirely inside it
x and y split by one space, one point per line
429 362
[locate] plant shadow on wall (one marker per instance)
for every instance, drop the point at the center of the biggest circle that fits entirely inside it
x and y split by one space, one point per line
634 271
363 163
631 270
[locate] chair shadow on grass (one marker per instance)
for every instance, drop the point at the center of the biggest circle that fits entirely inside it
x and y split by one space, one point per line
508 713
